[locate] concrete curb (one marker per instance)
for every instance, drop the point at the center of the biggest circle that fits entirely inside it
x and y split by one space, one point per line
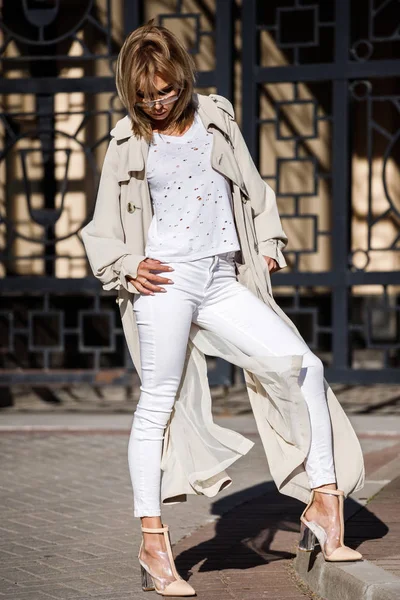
361 580
346 581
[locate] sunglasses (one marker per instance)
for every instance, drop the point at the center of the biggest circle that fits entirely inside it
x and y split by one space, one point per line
162 101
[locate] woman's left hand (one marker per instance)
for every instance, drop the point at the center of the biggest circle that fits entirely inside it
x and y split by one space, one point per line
272 264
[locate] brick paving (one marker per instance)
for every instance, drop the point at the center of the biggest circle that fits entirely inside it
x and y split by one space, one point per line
248 553
67 529
56 540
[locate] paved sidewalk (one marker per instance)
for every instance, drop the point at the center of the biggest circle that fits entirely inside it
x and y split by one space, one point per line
247 554
375 529
67 530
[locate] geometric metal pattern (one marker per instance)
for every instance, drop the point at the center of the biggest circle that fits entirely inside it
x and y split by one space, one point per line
55 27
45 331
384 133
300 36
378 32
96 331
314 75
56 322
291 105
322 121
301 174
44 231
298 28
68 332
6 331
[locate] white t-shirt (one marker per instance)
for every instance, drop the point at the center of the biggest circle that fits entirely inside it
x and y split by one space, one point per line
192 202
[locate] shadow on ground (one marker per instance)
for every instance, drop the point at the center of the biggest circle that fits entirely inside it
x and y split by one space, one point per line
265 530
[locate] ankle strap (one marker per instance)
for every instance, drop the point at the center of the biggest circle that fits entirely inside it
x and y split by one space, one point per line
155 530
325 491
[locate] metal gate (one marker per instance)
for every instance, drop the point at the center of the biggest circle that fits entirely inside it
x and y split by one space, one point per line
58 57
331 68
305 58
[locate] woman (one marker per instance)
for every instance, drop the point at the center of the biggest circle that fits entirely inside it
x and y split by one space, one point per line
190 263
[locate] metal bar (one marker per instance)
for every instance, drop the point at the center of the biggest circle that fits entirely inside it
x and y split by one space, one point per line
328 71
116 377
334 278
30 284
249 86
206 79
88 85
362 376
340 196
36 377
305 279
52 85
40 285
373 278
45 106
133 15
224 48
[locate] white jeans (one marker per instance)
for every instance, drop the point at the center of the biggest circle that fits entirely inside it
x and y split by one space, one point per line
206 291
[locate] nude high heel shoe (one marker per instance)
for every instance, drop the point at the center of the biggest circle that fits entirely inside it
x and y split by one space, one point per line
309 530
162 586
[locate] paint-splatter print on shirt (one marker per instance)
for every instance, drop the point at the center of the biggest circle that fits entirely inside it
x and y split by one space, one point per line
192 202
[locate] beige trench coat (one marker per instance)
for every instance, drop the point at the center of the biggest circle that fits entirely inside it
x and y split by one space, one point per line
197 451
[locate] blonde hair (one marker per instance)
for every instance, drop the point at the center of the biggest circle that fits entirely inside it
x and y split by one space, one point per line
148 51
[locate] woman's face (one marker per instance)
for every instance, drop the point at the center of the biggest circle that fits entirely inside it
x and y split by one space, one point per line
158 111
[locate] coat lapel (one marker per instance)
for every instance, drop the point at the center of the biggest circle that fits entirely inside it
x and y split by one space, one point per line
222 156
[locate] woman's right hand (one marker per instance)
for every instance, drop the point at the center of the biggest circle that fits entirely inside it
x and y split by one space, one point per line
142 282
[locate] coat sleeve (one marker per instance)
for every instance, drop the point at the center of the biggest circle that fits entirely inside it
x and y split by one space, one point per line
103 237
271 239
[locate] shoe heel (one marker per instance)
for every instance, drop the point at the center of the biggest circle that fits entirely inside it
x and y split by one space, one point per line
307 538
147 582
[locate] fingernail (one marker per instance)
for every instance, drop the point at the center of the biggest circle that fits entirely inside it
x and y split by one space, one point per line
171 269
162 289
170 281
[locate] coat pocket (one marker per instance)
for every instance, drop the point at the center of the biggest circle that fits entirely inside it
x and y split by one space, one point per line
267 274
246 277
243 274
